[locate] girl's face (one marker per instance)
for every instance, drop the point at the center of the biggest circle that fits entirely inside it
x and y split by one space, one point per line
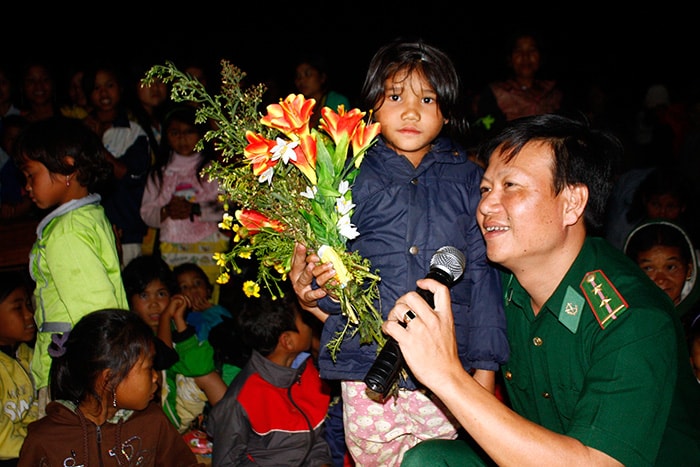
38 85
47 189
410 115
17 318
309 81
182 137
194 286
151 303
136 390
106 94
666 267
153 95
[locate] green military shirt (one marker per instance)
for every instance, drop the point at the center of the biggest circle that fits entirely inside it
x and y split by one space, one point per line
605 362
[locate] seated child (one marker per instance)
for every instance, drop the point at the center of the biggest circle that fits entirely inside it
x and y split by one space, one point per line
192 380
17 392
273 412
195 285
103 412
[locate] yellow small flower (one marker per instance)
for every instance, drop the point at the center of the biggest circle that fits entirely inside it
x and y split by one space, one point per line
223 278
251 289
245 254
220 259
227 222
280 268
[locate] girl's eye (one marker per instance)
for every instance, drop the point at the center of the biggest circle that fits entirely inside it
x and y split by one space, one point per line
428 100
394 97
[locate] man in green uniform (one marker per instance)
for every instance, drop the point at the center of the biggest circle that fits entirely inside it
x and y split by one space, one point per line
598 371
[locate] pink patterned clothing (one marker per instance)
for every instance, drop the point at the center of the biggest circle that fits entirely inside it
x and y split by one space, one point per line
180 179
380 434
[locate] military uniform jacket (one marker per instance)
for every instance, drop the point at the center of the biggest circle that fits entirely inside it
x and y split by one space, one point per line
605 362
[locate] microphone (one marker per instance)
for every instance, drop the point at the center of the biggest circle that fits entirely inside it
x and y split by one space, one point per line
446 266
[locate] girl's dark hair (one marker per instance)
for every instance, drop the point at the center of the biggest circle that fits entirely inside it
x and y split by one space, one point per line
143 270
581 155
182 114
193 267
658 234
263 320
11 281
50 141
109 339
402 56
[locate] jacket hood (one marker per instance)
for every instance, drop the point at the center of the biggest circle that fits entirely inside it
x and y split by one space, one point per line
691 283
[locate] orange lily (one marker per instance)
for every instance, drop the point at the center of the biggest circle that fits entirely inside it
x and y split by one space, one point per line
340 124
259 152
363 138
291 116
306 158
254 221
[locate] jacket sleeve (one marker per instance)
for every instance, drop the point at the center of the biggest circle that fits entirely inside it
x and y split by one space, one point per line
196 358
152 201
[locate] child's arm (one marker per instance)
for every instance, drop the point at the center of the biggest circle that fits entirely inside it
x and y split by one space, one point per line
175 313
213 386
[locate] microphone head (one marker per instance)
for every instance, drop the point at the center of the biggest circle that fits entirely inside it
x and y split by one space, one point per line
450 260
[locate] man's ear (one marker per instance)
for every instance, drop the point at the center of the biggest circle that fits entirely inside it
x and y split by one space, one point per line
576 197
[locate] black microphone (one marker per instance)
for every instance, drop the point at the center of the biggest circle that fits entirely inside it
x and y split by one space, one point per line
446 266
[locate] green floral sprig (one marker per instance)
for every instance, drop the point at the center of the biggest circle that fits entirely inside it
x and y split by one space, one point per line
287 183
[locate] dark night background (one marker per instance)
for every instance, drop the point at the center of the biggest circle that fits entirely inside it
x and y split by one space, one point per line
625 52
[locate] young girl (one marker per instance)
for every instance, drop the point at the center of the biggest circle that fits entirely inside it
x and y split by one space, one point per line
103 411
416 192
191 380
17 333
180 202
193 282
74 260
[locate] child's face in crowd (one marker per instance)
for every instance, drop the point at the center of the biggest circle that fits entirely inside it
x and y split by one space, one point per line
151 303
136 390
44 188
194 287
666 267
410 115
106 94
17 318
664 207
182 137
152 95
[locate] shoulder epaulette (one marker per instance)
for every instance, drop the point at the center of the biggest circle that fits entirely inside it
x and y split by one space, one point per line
603 298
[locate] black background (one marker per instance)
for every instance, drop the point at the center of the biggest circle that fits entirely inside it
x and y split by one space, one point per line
626 51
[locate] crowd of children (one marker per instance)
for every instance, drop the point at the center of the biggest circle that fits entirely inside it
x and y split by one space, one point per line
113 338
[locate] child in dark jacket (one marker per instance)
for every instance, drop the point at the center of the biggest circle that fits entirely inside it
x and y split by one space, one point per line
274 410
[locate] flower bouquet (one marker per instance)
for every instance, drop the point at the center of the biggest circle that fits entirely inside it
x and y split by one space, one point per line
286 183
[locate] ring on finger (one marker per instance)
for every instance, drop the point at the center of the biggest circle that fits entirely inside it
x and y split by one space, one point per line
408 316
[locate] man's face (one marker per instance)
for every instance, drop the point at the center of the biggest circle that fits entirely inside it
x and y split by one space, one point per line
521 218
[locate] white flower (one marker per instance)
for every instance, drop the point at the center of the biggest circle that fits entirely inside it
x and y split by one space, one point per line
344 187
343 206
346 229
284 150
310 192
266 176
